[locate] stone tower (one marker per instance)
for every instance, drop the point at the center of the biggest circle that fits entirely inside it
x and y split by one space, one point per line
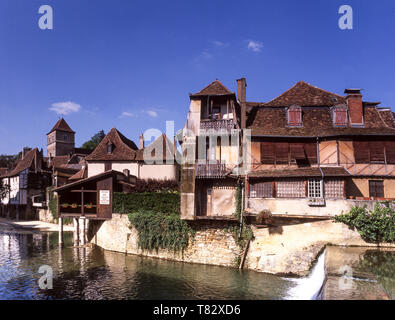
60 140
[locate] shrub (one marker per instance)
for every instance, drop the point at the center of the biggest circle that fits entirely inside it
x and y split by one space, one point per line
374 226
160 202
161 231
154 185
264 217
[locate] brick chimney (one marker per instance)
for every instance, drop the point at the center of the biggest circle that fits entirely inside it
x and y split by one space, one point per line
355 109
25 150
241 96
141 140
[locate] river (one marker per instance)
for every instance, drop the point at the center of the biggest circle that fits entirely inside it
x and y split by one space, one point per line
94 273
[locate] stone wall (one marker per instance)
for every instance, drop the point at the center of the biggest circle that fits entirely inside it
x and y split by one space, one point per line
289 248
45 215
211 244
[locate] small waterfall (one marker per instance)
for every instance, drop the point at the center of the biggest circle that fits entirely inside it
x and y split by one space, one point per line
309 288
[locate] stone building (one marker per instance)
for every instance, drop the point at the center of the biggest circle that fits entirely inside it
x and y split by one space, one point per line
308 152
60 140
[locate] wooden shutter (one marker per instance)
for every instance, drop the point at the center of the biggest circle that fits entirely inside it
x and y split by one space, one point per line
294 116
376 188
267 153
311 152
390 152
281 152
340 115
376 149
297 151
361 151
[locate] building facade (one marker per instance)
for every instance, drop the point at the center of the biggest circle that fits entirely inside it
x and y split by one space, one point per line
308 152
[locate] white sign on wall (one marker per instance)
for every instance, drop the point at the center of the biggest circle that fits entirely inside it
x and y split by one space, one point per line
104 196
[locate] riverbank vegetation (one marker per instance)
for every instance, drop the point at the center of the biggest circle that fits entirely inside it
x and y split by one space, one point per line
375 226
156 216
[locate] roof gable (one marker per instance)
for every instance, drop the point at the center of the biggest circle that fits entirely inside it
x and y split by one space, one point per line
61 125
25 163
123 148
214 88
304 94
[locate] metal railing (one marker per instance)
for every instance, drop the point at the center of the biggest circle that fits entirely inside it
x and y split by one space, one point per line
210 170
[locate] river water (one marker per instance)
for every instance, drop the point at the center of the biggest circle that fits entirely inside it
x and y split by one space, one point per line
94 273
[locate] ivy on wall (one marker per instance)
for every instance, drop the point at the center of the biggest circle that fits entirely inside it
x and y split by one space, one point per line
156 216
161 231
53 203
377 225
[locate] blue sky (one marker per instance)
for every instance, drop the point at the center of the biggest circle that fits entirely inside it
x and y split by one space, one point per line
131 64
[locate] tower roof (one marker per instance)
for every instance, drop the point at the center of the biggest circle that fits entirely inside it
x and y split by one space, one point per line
61 125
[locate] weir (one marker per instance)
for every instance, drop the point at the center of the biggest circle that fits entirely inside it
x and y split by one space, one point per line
310 287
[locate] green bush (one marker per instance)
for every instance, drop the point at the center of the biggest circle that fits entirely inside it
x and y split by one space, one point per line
161 231
162 202
53 204
374 226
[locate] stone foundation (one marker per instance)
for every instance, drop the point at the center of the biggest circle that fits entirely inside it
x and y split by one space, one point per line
289 248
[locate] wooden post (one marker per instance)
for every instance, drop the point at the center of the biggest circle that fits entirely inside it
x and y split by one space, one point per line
60 230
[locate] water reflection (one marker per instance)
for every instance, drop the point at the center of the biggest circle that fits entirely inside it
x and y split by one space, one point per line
93 273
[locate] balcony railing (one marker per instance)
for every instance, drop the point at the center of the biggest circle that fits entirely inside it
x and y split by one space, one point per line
210 170
218 125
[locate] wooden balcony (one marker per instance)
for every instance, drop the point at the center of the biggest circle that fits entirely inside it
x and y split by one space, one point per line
210 170
217 125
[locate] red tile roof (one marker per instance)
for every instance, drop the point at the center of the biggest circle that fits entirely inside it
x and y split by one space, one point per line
304 94
61 125
123 148
25 163
317 122
214 88
79 175
162 142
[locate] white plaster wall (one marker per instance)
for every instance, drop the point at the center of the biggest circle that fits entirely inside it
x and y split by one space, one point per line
133 167
158 171
14 190
95 168
299 206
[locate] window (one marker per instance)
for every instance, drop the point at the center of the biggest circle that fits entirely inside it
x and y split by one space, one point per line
334 189
294 116
291 189
370 152
278 152
109 148
390 152
65 137
340 116
315 188
376 188
215 113
261 190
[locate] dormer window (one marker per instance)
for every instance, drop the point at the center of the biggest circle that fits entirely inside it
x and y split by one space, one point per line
294 116
109 148
340 116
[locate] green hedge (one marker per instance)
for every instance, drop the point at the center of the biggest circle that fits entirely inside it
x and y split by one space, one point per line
161 202
374 226
161 231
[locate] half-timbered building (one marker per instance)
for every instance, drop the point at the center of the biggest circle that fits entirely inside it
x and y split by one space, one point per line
311 153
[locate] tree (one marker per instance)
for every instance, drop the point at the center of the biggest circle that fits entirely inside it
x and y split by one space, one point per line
94 141
7 161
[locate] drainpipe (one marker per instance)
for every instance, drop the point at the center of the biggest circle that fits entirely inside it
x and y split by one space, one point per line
242 208
319 167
